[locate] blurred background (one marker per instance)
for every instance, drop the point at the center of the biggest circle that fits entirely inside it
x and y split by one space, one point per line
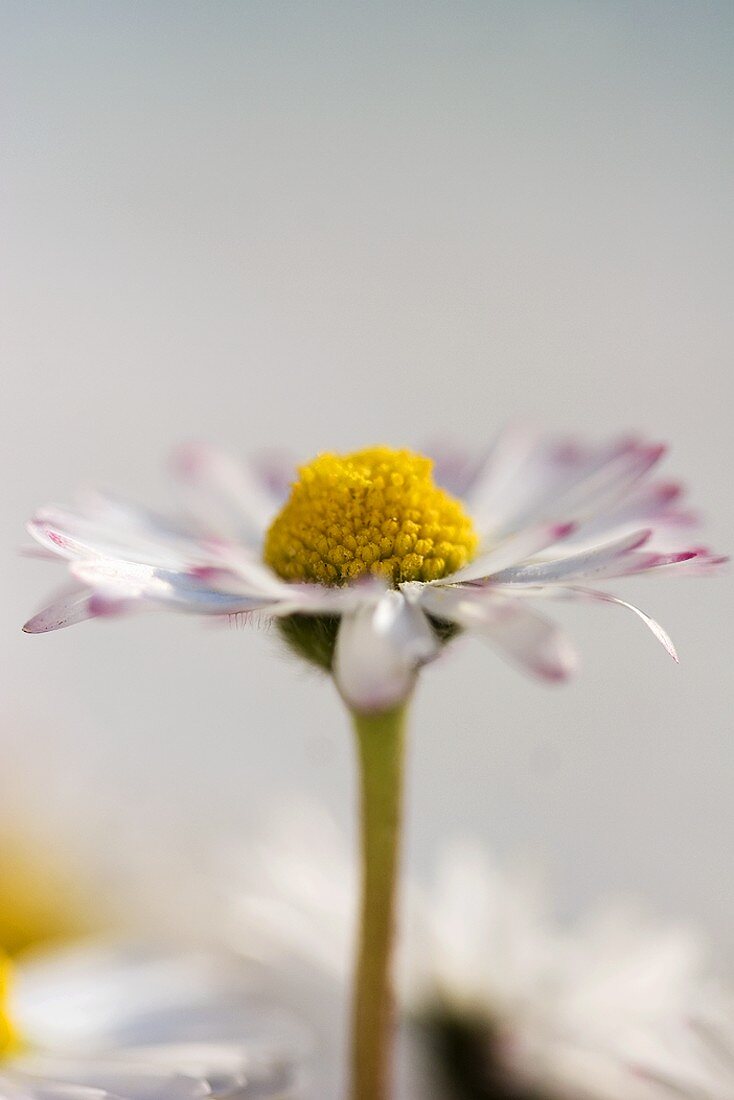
311 226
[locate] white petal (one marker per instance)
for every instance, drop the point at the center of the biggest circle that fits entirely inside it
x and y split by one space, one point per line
72 536
496 488
70 608
230 1069
587 563
524 637
655 504
517 548
180 591
225 496
454 469
79 538
17 1086
317 599
531 477
379 649
275 470
123 515
603 484
575 592
112 1078
251 579
215 591
698 563
245 577
100 996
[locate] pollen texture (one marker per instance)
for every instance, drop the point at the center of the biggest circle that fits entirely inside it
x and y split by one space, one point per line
375 511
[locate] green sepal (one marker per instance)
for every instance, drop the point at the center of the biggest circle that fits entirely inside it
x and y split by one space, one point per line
313 637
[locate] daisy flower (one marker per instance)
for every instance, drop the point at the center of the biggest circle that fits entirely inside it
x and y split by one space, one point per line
130 1022
369 564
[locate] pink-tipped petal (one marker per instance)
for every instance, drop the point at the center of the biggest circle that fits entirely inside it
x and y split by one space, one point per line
655 505
531 478
73 535
69 609
701 563
587 563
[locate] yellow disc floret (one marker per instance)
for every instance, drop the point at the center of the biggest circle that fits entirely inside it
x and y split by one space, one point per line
375 511
8 1034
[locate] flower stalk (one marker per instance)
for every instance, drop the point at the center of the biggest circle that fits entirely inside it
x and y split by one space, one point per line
381 750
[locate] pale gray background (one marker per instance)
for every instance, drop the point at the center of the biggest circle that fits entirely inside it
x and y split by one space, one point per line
323 225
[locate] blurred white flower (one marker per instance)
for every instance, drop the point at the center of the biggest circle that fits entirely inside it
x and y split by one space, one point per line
105 1021
382 563
295 891
287 902
511 1003
518 1005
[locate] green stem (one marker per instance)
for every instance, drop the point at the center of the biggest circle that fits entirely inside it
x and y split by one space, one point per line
380 742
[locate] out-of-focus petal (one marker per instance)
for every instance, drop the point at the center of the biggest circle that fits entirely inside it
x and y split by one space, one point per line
655 505
225 496
454 469
607 482
379 649
101 995
72 536
111 1078
231 1070
494 491
276 470
520 634
21 1087
530 477
698 562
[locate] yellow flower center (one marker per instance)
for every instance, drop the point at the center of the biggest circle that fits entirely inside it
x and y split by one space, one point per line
39 900
375 511
8 1035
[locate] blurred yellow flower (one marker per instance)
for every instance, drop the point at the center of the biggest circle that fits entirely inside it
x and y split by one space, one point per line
8 1034
39 900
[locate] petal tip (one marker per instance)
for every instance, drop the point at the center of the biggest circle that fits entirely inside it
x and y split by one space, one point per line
563 530
187 460
640 539
653 452
39 624
553 674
